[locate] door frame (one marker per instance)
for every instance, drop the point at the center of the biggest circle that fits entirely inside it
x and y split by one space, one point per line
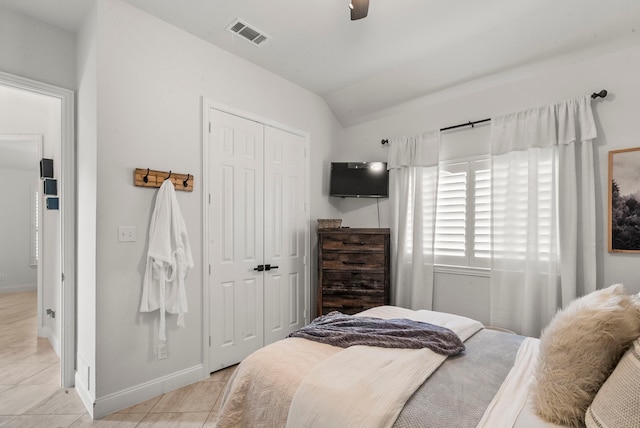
67 217
206 310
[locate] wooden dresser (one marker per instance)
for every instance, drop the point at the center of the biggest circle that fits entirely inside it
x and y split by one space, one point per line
353 269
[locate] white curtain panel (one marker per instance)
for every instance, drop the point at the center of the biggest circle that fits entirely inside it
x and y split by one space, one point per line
413 182
543 213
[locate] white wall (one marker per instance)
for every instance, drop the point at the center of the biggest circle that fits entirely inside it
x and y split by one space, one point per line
147 80
16 271
86 209
36 50
617 123
22 112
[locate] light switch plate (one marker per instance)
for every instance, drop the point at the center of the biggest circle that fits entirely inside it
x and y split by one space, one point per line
126 233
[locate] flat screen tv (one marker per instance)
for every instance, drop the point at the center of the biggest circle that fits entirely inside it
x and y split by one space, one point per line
359 180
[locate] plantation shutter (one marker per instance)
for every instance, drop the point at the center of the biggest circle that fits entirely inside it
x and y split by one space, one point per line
463 214
512 238
482 214
451 215
35 207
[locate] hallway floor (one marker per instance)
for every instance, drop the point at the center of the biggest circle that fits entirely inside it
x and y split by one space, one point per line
30 395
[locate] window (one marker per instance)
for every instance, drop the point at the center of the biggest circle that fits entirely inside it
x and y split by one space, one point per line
35 206
463 214
524 197
421 209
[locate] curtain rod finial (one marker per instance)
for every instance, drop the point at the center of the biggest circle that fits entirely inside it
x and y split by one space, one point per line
601 94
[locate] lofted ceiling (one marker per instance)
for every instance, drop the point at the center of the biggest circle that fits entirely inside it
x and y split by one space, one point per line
403 50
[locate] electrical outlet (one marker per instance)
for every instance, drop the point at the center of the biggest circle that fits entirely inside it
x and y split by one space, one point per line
162 351
126 233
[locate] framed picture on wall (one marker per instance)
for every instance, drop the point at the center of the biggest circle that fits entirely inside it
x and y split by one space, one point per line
46 168
624 200
50 186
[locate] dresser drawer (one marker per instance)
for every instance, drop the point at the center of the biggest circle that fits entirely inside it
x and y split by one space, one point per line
333 260
350 304
346 282
353 242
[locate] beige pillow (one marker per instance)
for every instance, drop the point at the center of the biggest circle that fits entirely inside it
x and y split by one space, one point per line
617 404
579 348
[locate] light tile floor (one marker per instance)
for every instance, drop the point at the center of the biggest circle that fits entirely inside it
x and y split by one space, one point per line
30 395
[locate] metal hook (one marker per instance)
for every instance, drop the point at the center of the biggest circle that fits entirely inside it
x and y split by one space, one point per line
185 183
169 175
146 177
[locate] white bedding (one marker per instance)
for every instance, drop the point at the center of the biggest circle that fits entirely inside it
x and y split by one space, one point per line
513 404
368 386
262 390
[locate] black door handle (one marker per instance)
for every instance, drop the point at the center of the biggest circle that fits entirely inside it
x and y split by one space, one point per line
261 268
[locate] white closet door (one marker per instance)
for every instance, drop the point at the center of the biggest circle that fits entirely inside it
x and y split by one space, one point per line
285 227
235 238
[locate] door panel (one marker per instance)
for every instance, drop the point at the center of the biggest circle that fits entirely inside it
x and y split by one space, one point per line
235 238
257 216
284 233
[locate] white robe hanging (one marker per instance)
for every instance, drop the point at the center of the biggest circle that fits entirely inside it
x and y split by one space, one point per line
168 258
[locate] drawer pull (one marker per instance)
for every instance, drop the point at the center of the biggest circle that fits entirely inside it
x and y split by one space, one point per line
352 243
353 263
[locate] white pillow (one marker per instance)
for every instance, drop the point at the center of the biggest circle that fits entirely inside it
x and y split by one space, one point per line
617 404
579 348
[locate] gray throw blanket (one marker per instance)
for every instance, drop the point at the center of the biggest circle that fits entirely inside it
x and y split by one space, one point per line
342 330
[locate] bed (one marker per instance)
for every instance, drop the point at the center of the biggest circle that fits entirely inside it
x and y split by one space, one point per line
297 382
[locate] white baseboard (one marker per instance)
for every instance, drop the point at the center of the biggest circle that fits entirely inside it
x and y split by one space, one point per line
137 394
48 333
18 288
84 394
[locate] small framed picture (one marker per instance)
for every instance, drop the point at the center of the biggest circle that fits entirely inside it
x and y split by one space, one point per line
46 168
50 186
624 200
52 203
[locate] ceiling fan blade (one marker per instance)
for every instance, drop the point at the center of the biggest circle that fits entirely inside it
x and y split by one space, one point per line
360 9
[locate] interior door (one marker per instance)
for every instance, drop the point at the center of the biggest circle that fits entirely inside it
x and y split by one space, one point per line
285 227
235 238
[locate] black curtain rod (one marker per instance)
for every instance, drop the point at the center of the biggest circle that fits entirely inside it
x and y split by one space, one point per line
601 94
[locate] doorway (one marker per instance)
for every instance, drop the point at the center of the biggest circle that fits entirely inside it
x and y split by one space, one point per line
60 129
21 218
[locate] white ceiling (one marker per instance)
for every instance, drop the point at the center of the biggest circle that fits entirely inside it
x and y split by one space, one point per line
404 49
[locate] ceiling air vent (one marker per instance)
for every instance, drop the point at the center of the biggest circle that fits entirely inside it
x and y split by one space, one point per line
248 32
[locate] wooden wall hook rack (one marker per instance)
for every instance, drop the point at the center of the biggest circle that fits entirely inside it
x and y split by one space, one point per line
145 177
